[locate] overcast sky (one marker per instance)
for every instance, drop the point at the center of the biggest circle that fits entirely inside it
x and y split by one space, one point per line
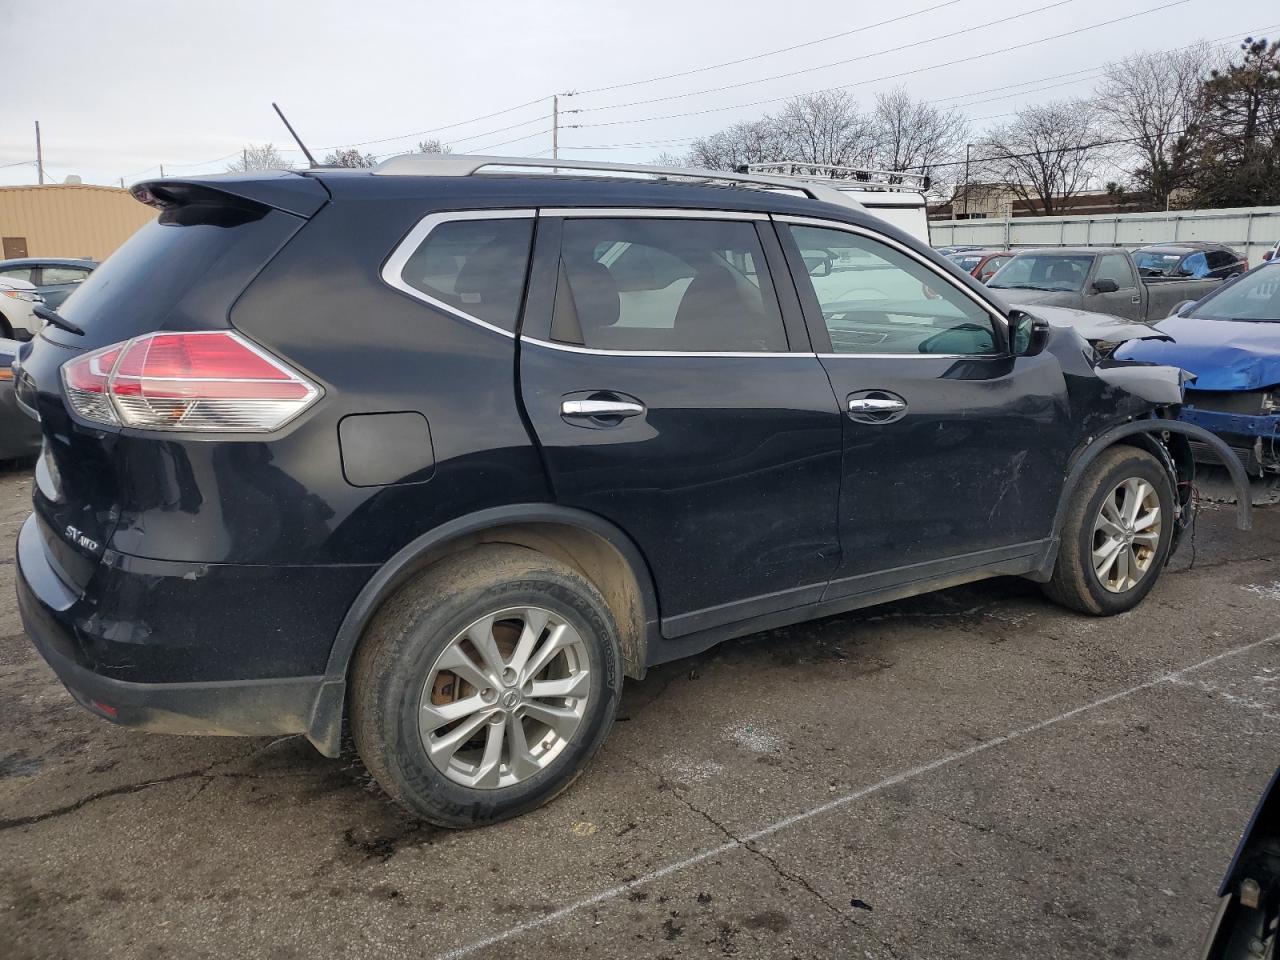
121 86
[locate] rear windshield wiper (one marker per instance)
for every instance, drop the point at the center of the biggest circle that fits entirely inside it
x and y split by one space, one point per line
52 316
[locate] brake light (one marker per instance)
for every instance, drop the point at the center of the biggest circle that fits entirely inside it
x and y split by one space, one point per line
207 381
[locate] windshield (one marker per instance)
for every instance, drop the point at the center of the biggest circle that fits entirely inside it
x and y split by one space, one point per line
1152 263
965 261
1043 271
1255 296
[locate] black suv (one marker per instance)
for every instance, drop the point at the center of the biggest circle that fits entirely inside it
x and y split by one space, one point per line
446 454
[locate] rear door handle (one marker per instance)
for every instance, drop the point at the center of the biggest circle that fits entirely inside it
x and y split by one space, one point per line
876 405
600 409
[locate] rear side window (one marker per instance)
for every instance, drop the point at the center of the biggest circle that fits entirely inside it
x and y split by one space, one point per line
669 285
475 267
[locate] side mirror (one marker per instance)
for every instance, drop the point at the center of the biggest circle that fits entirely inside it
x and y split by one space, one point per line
1028 334
818 262
1179 307
1105 285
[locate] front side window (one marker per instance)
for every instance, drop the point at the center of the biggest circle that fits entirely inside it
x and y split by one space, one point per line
63 274
1043 271
680 285
1196 265
1113 266
477 267
876 300
17 273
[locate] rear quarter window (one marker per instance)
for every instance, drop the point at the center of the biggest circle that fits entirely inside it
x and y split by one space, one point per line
474 267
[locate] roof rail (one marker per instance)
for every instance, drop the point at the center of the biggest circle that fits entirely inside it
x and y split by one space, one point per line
855 177
464 165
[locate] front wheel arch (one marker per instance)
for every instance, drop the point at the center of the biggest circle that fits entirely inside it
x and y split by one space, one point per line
1146 432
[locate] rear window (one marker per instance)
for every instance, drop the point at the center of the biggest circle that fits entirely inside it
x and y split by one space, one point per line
185 268
474 267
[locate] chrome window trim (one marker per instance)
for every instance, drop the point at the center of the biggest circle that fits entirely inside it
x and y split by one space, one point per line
652 213
990 308
393 269
596 351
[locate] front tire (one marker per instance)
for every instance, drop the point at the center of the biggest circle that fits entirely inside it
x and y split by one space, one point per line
482 689
1116 534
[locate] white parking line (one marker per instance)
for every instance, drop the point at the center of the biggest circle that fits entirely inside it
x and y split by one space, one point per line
614 892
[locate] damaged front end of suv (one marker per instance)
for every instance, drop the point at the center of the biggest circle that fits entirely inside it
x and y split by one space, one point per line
1137 402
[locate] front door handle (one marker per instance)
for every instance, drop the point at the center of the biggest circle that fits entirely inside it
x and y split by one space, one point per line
600 409
876 405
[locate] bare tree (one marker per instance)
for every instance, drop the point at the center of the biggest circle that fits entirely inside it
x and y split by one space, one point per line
915 135
1046 155
754 141
827 128
1156 101
252 157
350 158
433 146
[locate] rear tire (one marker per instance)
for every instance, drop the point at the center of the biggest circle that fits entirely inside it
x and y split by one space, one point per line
483 687
1116 534
6 328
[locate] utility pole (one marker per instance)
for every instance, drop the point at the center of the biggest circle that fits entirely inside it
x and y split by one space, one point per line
39 155
162 171
122 183
555 128
967 148
244 159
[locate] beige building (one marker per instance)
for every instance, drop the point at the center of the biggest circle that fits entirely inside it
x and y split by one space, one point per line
67 220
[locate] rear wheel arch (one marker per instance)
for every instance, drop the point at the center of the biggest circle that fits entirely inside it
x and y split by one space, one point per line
597 549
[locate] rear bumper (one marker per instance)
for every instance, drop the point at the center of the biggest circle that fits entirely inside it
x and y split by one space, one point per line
190 680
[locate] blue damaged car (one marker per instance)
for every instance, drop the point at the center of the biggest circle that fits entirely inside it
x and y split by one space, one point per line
1230 340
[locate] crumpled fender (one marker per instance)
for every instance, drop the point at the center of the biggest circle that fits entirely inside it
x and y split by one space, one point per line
1239 479
1157 384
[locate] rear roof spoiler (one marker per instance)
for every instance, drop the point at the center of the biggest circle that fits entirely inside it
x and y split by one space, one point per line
281 190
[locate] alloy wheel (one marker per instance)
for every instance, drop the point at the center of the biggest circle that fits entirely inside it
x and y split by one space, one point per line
1126 534
505 697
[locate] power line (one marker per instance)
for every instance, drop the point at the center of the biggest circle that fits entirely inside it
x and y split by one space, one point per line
761 56
447 126
905 73
504 143
824 66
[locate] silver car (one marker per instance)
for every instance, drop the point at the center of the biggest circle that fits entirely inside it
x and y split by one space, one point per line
18 299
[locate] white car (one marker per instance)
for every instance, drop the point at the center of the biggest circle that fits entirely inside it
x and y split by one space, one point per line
17 300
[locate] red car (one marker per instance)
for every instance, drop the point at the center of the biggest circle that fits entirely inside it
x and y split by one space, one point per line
981 263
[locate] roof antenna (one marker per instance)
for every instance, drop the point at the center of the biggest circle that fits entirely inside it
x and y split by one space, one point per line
293 133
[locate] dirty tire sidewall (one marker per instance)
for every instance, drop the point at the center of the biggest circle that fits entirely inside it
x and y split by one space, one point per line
1075 583
410 633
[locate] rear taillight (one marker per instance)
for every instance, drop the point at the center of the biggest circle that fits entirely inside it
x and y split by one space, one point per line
205 381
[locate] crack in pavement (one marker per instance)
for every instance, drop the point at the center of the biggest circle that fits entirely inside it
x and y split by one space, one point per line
750 847
206 773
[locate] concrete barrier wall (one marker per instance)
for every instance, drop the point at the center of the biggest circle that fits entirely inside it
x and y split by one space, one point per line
1251 229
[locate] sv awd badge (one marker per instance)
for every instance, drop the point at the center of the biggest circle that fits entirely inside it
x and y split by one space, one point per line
80 540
